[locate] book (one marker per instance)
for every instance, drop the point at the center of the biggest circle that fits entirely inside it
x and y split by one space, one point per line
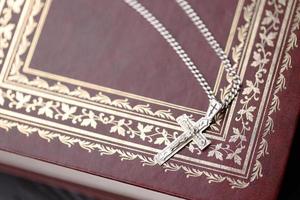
90 92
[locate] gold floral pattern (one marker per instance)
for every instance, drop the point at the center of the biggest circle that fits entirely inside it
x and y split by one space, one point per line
71 141
84 117
236 51
56 110
17 76
122 154
251 92
88 118
6 26
280 86
100 97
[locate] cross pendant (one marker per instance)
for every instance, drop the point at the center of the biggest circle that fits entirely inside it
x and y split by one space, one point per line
191 131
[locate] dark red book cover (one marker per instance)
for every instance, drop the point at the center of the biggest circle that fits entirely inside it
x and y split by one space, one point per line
90 85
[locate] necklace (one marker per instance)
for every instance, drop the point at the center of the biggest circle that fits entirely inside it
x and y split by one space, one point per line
192 130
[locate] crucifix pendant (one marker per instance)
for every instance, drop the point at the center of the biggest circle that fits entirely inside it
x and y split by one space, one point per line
191 131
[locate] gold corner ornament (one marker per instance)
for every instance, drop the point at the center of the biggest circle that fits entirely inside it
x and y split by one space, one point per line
192 131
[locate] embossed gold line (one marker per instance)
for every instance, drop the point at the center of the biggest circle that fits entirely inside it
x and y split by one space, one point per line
247 57
210 134
51 76
81 131
30 55
220 73
38 32
248 47
151 151
96 108
15 40
55 129
271 76
46 12
40 25
232 31
252 40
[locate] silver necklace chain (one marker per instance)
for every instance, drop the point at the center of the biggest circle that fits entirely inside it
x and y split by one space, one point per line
186 7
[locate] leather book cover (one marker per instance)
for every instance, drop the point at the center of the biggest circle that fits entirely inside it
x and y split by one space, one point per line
91 86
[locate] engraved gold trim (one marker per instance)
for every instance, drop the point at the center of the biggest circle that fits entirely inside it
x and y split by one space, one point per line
279 83
28 130
6 26
84 94
251 92
256 173
102 98
22 78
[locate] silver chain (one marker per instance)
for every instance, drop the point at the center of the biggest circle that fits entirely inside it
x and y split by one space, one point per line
184 5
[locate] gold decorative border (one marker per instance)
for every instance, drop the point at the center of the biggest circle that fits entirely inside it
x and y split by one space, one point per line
101 98
28 130
165 137
16 66
235 183
251 92
279 87
6 26
18 77
84 118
